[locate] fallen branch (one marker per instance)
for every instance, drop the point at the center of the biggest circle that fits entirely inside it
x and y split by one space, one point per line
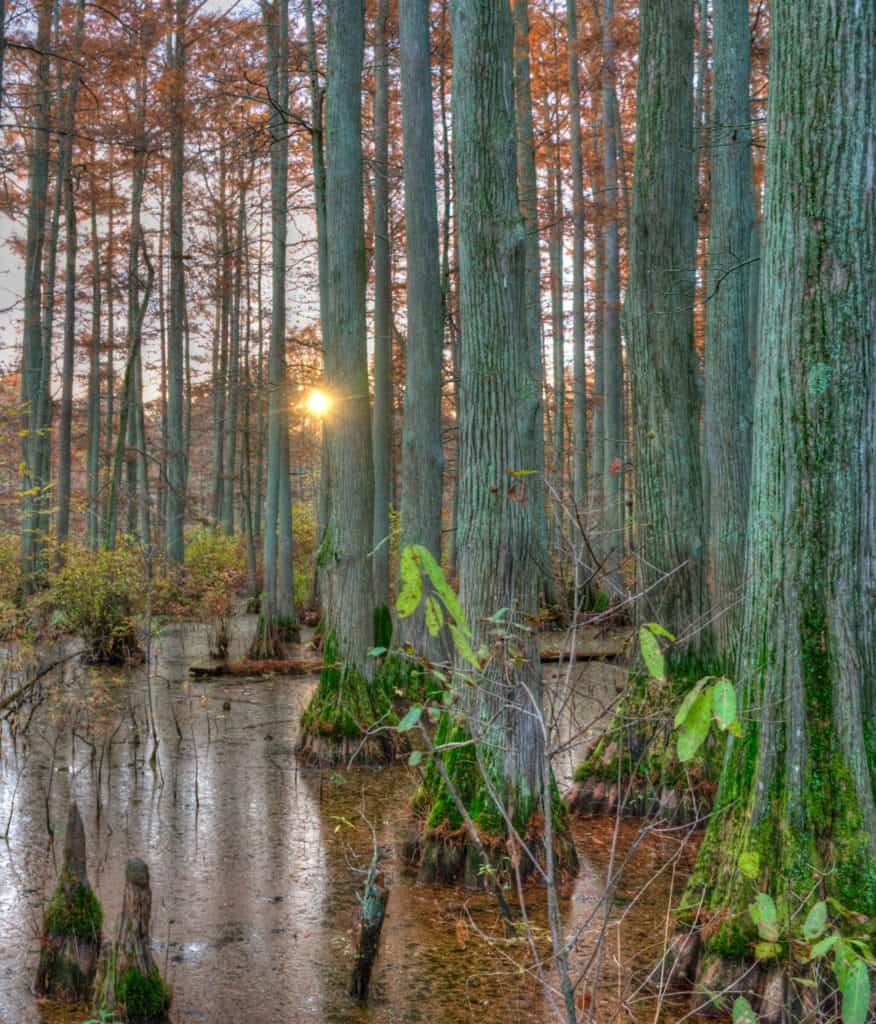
268 667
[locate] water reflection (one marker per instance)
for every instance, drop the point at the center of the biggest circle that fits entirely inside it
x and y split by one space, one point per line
253 859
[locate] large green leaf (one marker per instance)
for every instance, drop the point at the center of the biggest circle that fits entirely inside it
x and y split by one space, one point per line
856 993
724 702
743 1012
411 592
434 616
816 922
438 580
411 718
688 702
765 916
695 729
651 654
463 647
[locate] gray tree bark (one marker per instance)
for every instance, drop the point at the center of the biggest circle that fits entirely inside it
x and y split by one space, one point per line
62 521
422 453
669 530
798 786
348 583
730 326
532 411
382 411
32 362
176 433
614 428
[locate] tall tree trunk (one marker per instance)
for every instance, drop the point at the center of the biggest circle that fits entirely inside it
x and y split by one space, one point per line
230 444
580 481
498 568
798 786
277 500
532 410
32 362
176 433
614 428
93 462
729 346
558 336
62 522
317 150
669 500
422 453
349 590
382 411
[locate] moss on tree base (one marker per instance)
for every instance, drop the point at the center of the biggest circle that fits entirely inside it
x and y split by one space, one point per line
634 768
444 851
352 719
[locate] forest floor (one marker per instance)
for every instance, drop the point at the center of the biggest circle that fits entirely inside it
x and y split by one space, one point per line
255 860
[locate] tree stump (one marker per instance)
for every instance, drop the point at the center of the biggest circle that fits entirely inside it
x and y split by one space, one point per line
70 941
370 922
130 985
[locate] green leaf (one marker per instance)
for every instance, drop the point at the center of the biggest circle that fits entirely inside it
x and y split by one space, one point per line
766 950
434 616
825 946
735 728
411 592
411 718
743 1012
724 702
856 993
415 758
439 582
816 922
651 654
693 733
463 648
688 702
659 630
377 652
765 916
749 864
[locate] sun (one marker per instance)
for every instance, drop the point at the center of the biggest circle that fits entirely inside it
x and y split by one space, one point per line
318 403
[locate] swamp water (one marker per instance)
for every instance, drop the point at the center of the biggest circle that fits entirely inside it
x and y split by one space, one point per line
256 861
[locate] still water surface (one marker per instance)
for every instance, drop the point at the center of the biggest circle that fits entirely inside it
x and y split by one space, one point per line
256 862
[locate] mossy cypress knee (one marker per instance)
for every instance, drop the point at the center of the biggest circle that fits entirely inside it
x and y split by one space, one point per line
129 984
70 942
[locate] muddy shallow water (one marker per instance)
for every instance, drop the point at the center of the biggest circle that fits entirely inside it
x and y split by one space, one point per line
256 862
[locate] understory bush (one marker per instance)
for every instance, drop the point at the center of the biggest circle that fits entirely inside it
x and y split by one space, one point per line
97 595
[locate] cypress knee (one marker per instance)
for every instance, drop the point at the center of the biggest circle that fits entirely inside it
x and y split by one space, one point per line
71 926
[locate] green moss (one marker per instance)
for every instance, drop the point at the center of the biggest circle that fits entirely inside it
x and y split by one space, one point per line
144 998
74 909
345 704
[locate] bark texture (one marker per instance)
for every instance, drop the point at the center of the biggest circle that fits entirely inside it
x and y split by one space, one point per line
422 454
798 786
669 524
730 330
497 545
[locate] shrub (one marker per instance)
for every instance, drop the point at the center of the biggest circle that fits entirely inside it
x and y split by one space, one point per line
97 595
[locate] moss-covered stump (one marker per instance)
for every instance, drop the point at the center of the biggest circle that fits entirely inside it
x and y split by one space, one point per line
445 851
70 941
634 767
129 985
